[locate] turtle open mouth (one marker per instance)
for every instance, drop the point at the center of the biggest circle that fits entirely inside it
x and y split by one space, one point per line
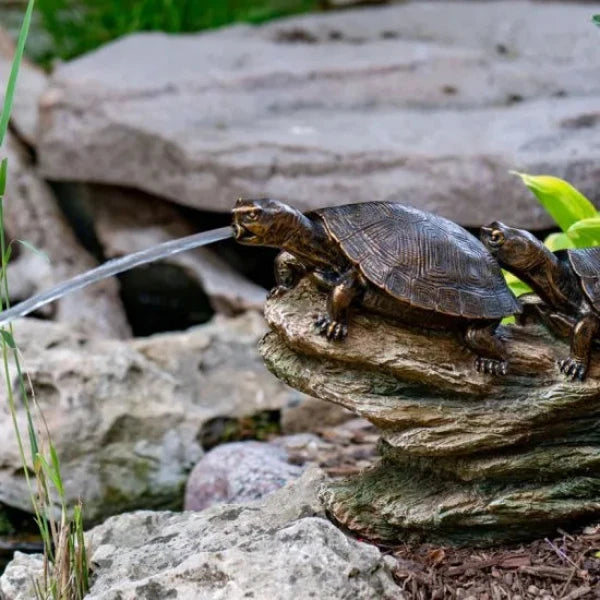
241 234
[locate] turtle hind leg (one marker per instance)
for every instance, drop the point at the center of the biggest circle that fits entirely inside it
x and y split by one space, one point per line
576 366
491 354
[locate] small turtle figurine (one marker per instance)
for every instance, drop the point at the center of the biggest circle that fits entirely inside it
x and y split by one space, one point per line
566 285
392 259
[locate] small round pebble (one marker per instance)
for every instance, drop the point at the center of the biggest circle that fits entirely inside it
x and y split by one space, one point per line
238 472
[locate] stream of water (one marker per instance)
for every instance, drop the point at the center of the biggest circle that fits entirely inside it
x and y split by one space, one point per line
113 267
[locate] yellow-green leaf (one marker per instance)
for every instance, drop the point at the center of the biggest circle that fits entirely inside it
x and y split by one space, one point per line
515 284
585 233
564 203
558 241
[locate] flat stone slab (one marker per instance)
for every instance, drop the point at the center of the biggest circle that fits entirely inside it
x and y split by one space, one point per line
466 457
401 102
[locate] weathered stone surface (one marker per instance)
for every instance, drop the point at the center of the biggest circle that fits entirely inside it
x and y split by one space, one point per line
399 102
32 214
238 472
125 417
126 221
277 549
466 456
18 581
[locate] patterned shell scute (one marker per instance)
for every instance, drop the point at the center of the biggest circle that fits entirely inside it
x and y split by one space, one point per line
586 264
421 258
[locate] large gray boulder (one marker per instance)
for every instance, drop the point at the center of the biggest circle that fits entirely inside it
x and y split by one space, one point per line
126 417
278 549
403 102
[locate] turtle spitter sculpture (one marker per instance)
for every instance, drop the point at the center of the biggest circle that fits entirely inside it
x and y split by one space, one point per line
566 285
391 259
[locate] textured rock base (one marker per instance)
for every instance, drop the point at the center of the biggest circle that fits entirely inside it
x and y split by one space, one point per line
467 457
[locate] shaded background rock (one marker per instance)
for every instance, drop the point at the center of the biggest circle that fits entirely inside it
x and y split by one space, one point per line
273 549
126 221
32 214
126 417
467 457
400 102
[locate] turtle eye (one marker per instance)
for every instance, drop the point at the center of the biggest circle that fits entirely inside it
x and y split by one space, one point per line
497 237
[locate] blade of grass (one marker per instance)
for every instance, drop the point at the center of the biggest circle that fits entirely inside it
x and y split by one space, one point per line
14 72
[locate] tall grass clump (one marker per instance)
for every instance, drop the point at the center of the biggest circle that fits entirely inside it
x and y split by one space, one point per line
65 574
77 26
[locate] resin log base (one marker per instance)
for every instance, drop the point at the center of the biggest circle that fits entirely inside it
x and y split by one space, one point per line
466 457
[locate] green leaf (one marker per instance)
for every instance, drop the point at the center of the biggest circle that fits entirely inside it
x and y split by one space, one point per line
3 168
596 20
7 338
558 241
56 468
515 284
564 203
14 72
37 251
585 233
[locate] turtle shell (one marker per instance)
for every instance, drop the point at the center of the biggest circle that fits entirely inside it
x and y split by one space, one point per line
420 258
586 264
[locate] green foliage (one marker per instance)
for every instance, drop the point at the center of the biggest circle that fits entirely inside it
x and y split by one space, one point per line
596 20
573 213
78 26
564 203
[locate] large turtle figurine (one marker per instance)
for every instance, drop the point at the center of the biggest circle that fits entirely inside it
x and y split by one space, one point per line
566 285
392 259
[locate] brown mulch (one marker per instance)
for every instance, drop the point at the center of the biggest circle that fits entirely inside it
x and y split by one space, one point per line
566 567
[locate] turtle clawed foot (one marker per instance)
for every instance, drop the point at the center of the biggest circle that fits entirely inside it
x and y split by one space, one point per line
332 330
573 369
277 292
491 366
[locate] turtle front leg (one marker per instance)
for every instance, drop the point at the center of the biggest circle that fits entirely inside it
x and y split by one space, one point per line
491 354
576 366
288 272
334 325
536 310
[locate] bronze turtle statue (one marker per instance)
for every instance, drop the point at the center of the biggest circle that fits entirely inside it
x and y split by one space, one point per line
392 259
566 286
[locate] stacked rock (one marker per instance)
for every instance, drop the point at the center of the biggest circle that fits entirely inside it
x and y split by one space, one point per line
465 457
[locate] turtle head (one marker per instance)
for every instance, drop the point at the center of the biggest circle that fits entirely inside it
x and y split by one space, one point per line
264 222
515 249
